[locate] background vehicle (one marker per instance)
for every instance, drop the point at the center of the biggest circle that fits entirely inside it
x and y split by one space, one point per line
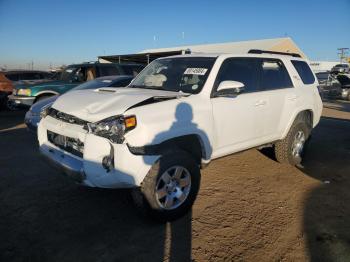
340 68
344 80
176 116
9 78
73 75
323 78
32 117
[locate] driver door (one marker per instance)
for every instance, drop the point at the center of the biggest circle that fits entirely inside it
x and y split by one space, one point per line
238 119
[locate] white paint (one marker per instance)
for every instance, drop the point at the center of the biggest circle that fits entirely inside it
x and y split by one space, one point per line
224 125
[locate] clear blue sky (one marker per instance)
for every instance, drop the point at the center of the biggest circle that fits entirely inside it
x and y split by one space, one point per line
67 31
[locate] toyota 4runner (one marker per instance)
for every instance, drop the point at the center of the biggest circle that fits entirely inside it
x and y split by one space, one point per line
175 117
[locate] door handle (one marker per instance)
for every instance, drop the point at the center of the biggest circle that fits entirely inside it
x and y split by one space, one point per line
260 103
293 97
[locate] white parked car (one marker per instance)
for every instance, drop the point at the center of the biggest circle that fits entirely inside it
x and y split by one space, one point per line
175 117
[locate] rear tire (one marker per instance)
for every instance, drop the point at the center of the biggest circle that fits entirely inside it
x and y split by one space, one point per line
290 150
170 187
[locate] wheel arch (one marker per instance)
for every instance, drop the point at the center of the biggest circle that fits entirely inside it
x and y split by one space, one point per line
45 93
307 114
191 143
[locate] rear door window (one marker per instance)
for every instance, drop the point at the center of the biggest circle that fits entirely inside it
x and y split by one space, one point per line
108 70
274 75
30 76
304 72
45 75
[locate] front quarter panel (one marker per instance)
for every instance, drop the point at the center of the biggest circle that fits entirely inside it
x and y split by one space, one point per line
165 120
54 88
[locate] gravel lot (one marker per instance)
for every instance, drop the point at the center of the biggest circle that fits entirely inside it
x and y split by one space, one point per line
250 208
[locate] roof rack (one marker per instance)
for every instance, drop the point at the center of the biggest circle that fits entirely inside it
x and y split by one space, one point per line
258 51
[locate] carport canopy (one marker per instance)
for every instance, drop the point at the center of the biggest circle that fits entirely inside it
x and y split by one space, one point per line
139 58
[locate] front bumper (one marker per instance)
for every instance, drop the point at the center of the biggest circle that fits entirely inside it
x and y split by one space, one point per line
32 121
22 100
70 166
129 170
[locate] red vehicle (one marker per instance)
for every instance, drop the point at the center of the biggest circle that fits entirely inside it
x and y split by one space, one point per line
9 78
6 88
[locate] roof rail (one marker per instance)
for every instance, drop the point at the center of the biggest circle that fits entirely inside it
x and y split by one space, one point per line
258 51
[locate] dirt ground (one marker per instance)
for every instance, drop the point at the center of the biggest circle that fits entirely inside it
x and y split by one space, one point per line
250 208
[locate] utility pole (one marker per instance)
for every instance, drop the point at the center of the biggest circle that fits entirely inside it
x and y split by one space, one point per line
342 53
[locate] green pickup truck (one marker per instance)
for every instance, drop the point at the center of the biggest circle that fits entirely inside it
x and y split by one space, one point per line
26 94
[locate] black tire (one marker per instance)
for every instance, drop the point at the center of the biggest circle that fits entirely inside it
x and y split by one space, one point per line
145 197
10 105
284 148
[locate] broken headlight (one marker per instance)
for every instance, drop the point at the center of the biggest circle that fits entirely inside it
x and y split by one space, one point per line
113 128
45 111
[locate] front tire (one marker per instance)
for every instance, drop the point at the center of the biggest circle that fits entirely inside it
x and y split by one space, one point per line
290 150
170 187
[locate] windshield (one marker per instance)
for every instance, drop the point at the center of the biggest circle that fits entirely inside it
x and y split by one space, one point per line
68 73
93 84
186 74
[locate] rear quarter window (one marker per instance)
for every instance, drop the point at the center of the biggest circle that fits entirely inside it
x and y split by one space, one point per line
304 72
12 77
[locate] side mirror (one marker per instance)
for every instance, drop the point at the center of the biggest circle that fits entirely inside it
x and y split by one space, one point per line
230 88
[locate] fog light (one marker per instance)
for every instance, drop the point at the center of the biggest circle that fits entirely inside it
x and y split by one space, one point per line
108 163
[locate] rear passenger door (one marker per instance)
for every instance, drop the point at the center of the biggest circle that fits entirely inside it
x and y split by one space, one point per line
278 95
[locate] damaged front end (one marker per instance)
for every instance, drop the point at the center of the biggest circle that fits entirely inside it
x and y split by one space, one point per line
113 128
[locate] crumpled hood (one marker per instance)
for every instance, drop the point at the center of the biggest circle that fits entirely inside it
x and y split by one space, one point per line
98 104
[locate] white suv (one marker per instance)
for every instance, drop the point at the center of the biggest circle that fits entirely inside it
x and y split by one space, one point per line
176 116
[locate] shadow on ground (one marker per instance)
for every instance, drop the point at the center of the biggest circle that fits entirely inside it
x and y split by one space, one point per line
11 119
45 217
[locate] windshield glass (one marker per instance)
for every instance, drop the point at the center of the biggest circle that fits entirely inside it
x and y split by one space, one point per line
93 84
186 74
68 73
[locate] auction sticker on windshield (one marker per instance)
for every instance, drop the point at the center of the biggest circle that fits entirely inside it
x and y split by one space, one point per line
195 71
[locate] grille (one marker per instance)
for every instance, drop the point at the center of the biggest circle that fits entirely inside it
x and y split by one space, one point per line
69 144
66 117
